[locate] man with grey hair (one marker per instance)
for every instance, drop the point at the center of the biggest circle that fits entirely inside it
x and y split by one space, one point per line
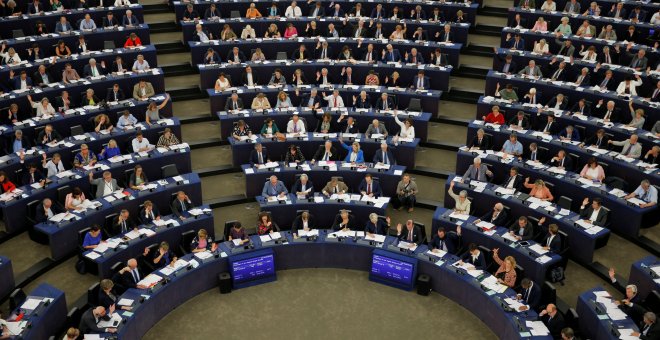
273 188
630 147
645 192
649 328
497 217
93 70
303 187
477 171
104 186
129 19
376 128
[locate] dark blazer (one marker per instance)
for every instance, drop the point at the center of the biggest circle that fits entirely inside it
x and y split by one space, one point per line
532 296
229 105
555 325
517 182
295 55
32 9
417 235
586 110
115 66
320 152
84 100
527 234
254 157
16 82
110 22
575 136
380 227
362 104
622 13
126 280
426 83
379 104
255 78
593 140
652 334
512 42
319 13
555 245
396 56
241 56
133 20
116 226
53 136
297 187
513 68
39 80
88 323
375 187
305 99
343 126
450 241
553 127
319 120
499 221
110 96
444 35
553 102
163 261
601 111
105 300
40 213
484 145
525 122
378 157
568 162
178 210
351 223
298 224
144 219
479 263
25 142
601 219
38 177
319 51
552 69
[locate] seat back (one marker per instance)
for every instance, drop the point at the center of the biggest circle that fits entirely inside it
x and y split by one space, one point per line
73 317
548 294
108 221
62 192
653 301
108 45
565 202
32 210
234 14
16 298
228 226
415 104
17 33
93 294
281 56
77 130
169 170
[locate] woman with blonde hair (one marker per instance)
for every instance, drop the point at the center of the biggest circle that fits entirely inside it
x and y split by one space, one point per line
506 273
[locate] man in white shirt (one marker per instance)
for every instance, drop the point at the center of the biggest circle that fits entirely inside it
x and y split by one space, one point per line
295 125
293 11
140 143
126 121
334 100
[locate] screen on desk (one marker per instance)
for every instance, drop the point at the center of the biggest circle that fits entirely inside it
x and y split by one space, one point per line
393 269
252 268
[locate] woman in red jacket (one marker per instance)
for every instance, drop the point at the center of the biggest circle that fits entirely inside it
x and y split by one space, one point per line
133 41
495 117
7 185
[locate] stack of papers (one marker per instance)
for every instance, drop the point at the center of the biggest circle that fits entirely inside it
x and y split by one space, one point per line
543 259
375 237
485 225
459 216
306 233
65 216
611 309
537 328
636 201
505 191
508 236
150 280
537 248
513 303
491 283
203 255
406 245
15 328
437 253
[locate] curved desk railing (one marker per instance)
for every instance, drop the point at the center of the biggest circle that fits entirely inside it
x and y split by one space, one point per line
645 274
600 318
149 307
44 313
7 274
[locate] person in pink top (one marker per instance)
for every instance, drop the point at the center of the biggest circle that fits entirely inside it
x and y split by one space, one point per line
593 171
290 32
539 190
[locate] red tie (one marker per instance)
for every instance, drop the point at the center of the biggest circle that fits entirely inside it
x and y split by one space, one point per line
335 102
368 189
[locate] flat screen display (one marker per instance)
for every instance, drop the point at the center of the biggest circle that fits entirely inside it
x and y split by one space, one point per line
252 268
394 270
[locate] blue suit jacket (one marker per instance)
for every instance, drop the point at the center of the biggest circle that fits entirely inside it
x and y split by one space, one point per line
279 188
394 56
378 157
521 44
132 21
532 297
379 228
16 82
575 136
451 242
254 157
375 188
480 263
420 58
360 156
426 83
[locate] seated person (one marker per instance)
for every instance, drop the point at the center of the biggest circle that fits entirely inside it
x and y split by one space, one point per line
355 155
369 187
512 146
122 223
474 257
269 129
480 141
519 121
294 155
92 238
594 214
477 171
149 213
376 127
498 217
295 125
553 319
552 240
181 205
530 295
141 143
163 256
102 123
506 273
265 224
411 234
645 192
138 178
376 225
258 156
326 152
202 242
631 304
494 117
126 121
303 187
274 188
462 205
325 124
167 139
570 134
562 161
539 190
237 232
74 199
447 242
46 210
593 171
335 186
304 221
522 229
32 175
344 221
384 155
406 193
84 158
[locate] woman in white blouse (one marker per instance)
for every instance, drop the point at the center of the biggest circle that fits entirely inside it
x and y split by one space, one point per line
222 83
549 6
399 32
54 165
140 64
248 33
628 86
43 107
260 102
590 54
541 47
407 128
283 100
10 57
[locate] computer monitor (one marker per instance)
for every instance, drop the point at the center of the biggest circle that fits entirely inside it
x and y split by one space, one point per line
392 269
252 268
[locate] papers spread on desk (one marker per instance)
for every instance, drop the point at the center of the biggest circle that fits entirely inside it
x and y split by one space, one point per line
594 230
636 201
375 237
305 233
87 205
343 197
617 192
268 165
459 216
537 249
150 280
31 303
407 245
505 191
195 211
626 334
115 319
378 166
508 236
557 170
66 173
92 255
611 309
125 302
543 259
15 328
203 255
491 283
436 253
485 225
535 164
264 238
172 267
545 137
318 199
537 328
596 150
133 234
65 216
513 303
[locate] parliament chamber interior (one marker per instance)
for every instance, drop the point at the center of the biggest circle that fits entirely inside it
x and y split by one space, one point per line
329 169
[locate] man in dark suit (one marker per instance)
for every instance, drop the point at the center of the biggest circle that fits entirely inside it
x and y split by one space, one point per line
530 294
649 329
410 233
32 175
561 160
508 65
43 77
474 257
595 213
552 319
522 229
115 94
559 101
445 241
302 221
90 319
235 56
599 140
534 153
311 99
550 127
92 69
420 82
390 54
514 181
300 53
446 35
384 102
607 112
21 82
110 21
119 66
181 205
35 7
414 57
604 79
48 135
122 223
384 155
552 240
631 304
570 134
497 216
323 51
438 58
326 152
347 125
303 187
519 121
234 102
259 155
245 77
378 12
557 70
518 21
480 141
46 210
581 107
369 187
149 213
517 43
317 11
